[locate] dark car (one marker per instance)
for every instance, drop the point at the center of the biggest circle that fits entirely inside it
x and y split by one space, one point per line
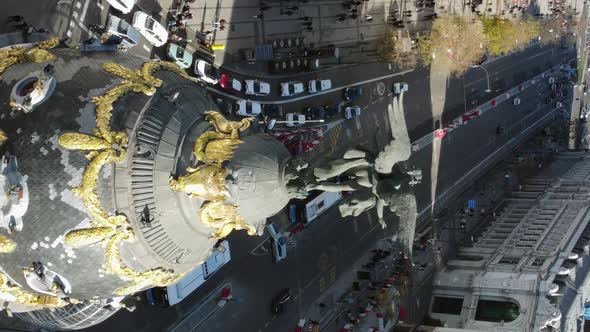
331 110
351 93
315 113
279 301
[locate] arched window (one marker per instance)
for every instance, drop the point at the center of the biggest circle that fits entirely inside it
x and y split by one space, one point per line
496 311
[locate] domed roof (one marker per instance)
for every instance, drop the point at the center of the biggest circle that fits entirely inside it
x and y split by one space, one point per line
256 178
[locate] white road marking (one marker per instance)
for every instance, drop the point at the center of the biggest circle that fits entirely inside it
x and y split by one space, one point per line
78 4
69 33
83 16
75 14
99 5
145 47
72 23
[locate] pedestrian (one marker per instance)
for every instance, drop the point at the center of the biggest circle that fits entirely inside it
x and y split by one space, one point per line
307 24
304 18
353 16
356 3
15 18
259 16
368 18
341 17
22 25
307 29
220 22
293 8
287 12
353 11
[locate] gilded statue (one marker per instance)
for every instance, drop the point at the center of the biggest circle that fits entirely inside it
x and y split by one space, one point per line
214 148
223 126
223 218
207 180
204 181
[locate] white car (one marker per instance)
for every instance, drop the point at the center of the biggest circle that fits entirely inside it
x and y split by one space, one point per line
292 88
206 71
352 112
279 246
124 6
319 85
551 80
257 88
294 120
399 87
153 31
248 108
516 101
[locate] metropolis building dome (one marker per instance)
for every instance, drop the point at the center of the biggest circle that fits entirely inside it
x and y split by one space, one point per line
119 179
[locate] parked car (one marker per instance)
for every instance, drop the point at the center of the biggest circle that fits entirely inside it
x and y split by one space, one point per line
123 31
279 301
352 93
207 72
352 112
516 101
248 108
179 55
551 80
279 246
558 104
292 88
399 87
315 113
319 85
294 120
257 88
153 31
124 6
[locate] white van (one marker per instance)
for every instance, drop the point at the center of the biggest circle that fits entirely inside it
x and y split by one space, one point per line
321 84
167 296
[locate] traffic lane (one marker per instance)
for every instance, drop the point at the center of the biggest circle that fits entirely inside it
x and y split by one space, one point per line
463 148
329 254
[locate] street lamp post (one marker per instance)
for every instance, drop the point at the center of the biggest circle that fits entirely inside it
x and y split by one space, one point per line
488 90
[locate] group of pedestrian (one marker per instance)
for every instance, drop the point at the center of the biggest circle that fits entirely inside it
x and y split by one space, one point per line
263 7
178 25
352 11
307 24
20 24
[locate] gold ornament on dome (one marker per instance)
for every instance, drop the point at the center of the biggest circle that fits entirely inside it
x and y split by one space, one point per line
19 54
3 137
207 180
28 298
105 147
6 245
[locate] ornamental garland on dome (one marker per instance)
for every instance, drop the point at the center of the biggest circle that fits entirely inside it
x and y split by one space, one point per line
105 147
19 54
207 180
